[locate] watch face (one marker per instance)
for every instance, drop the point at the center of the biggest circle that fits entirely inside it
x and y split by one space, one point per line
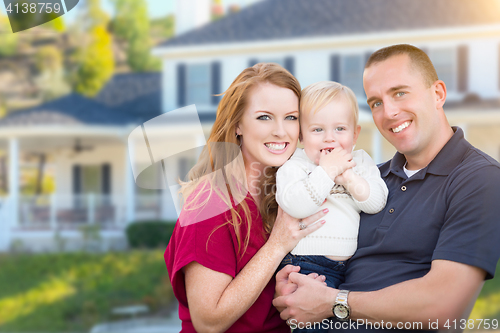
341 311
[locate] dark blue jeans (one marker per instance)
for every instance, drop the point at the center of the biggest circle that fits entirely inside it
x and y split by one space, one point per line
334 271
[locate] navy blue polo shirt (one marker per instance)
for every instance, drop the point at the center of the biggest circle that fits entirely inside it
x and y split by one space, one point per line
448 210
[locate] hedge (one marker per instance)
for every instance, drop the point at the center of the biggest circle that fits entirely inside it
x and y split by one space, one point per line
149 234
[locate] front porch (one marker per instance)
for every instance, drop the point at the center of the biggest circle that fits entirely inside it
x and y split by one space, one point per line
48 223
94 190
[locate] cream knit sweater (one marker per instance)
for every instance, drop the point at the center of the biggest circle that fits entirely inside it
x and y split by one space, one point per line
302 187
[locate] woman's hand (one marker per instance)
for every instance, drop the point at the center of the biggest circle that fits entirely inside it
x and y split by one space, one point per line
288 231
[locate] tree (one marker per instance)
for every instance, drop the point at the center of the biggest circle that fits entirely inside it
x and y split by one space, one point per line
131 24
163 28
217 10
56 24
8 40
95 61
96 65
51 81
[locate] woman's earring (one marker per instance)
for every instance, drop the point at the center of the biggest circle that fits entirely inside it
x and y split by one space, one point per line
239 138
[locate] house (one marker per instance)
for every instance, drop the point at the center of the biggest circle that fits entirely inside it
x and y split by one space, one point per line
331 40
315 40
84 144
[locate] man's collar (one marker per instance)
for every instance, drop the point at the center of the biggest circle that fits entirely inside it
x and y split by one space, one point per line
444 162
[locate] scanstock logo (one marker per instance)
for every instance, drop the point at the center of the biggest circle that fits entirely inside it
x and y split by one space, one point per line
26 14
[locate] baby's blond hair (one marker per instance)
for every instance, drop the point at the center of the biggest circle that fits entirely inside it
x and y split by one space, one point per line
317 95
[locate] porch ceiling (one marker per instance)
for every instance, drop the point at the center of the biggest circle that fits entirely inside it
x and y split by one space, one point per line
46 142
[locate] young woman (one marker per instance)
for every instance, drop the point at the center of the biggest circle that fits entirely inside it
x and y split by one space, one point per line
231 236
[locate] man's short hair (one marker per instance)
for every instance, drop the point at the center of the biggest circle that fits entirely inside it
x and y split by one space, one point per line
419 60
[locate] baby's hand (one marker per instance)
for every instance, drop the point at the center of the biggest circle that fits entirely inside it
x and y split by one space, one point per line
345 177
336 162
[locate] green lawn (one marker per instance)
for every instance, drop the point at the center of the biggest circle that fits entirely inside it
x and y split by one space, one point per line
72 291
488 302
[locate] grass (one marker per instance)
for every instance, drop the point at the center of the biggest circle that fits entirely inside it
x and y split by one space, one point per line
70 292
488 303
73 291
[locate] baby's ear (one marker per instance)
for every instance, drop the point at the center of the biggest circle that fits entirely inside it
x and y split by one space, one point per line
356 133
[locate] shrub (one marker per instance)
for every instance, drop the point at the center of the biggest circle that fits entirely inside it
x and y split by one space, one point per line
149 234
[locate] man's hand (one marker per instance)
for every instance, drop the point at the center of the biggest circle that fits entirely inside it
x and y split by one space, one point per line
284 288
311 302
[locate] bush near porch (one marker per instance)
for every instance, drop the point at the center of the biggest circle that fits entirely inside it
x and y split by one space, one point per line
70 292
149 234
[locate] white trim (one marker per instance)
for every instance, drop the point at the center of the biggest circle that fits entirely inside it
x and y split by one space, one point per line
371 38
14 181
377 148
90 131
48 130
129 185
75 234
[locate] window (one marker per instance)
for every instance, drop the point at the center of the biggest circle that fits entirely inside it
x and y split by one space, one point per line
288 62
198 84
444 63
185 164
352 73
280 62
91 179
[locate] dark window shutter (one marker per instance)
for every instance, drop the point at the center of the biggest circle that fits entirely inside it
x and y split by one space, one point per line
335 68
367 56
77 185
77 179
106 178
252 62
183 168
181 85
290 64
216 82
463 68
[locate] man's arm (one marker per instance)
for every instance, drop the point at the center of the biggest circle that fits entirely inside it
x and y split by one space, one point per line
443 293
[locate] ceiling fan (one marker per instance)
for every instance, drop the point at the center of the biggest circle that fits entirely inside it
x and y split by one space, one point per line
78 147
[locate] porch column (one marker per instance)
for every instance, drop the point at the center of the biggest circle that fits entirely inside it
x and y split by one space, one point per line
464 127
14 181
129 187
376 146
200 143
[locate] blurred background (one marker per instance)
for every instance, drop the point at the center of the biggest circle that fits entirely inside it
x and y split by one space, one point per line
81 246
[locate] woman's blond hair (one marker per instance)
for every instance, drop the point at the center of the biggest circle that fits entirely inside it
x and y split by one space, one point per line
202 177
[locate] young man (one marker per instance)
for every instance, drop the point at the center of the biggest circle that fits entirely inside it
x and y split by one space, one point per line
424 258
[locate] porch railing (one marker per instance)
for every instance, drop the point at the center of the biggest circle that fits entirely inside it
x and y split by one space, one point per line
50 212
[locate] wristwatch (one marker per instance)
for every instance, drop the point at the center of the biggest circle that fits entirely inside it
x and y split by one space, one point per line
341 309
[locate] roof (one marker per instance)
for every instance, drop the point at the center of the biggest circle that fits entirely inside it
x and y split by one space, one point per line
286 19
131 98
136 94
72 109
